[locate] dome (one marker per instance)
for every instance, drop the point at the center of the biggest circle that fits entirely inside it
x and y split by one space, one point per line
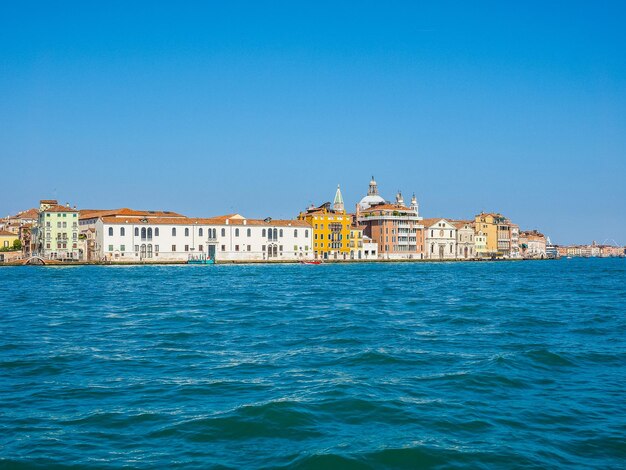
371 200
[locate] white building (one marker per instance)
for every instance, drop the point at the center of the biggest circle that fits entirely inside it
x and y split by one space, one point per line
370 248
465 243
439 239
227 238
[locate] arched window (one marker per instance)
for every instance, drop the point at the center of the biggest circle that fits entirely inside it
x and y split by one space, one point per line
200 231
149 254
275 233
150 233
295 233
264 234
186 232
236 232
156 232
173 231
249 233
122 231
136 231
223 232
143 233
110 231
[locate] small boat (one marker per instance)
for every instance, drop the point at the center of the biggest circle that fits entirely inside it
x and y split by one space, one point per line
200 260
311 262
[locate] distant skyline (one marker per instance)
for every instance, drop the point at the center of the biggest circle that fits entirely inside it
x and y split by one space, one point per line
262 110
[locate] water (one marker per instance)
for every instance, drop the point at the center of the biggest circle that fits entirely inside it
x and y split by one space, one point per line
475 365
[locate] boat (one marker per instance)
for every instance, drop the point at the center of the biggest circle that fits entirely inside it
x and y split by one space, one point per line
311 262
200 259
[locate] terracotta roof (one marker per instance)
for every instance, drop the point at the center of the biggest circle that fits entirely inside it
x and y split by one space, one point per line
59 208
388 207
6 233
93 213
28 214
461 223
432 221
49 201
204 221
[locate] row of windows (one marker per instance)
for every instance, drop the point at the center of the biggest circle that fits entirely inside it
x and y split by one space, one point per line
61 215
146 233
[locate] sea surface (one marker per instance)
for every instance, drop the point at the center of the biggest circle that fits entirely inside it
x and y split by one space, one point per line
381 365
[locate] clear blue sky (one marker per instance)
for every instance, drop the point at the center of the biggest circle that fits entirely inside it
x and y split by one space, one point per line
516 107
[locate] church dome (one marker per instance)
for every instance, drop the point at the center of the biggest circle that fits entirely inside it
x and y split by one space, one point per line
371 200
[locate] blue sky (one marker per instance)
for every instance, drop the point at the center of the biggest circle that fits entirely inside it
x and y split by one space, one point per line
263 109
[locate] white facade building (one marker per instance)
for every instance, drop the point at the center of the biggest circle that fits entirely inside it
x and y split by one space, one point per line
465 243
227 238
439 239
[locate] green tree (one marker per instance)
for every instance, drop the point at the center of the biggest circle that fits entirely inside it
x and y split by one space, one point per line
17 245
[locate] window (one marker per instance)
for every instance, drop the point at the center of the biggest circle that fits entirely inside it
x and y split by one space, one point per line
236 232
136 232
281 232
136 247
149 250
249 233
249 248
48 244
275 233
295 248
295 233
156 232
122 231
143 233
432 248
223 235
223 246
264 233
74 236
200 247
200 231
306 234
236 247
262 247
156 248
173 231
150 233
186 247
173 247
186 232
110 247
122 247
110 231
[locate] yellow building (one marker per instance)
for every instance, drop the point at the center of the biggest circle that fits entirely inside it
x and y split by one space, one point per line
331 229
7 239
496 229
356 242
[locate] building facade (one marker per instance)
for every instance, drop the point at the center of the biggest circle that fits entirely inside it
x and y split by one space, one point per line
496 228
56 232
465 239
394 227
439 239
532 244
226 238
331 229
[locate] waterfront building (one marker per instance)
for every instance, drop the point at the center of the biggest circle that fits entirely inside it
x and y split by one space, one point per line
532 244
514 251
225 238
8 239
395 228
331 229
370 248
480 242
496 228
465 239
55 234
356 242
440 237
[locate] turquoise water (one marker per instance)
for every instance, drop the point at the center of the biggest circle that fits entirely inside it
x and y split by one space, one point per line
475 365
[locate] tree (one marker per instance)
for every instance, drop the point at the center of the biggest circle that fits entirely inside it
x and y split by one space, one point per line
17 245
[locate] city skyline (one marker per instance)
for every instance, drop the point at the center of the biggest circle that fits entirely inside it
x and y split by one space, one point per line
209 110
